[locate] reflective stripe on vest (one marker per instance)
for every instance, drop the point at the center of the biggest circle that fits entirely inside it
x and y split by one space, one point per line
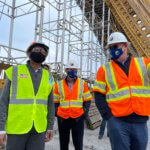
80 89
41 101
140 91
87 95
142 70
118 94
110 77
99 85
148 70
13 99
14 83
61 89
71 103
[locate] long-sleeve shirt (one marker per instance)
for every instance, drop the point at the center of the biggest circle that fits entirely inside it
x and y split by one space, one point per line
103 107
36 76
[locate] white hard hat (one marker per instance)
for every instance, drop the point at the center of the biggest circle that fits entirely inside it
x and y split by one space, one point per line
72 64
117 37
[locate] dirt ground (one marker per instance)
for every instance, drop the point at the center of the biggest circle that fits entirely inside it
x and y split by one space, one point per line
91 141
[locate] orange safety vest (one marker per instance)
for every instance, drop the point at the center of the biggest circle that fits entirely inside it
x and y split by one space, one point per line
71 102
126 94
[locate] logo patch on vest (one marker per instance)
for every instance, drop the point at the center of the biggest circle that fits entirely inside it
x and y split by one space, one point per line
23 75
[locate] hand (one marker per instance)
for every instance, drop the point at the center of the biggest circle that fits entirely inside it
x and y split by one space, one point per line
49 135
2 139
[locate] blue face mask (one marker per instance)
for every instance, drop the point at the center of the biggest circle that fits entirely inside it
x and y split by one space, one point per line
115 52
72 74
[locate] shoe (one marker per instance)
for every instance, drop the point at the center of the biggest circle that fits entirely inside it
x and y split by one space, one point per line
100 137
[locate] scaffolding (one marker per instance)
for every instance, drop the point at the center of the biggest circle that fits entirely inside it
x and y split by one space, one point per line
70 30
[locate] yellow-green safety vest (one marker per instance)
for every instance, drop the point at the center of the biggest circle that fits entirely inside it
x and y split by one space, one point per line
26 108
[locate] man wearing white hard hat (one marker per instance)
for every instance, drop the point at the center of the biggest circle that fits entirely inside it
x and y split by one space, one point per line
72 100
122 95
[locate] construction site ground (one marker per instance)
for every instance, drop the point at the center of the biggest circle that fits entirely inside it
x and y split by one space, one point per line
91 141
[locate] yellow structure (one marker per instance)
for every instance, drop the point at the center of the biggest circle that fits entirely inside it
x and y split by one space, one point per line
134 17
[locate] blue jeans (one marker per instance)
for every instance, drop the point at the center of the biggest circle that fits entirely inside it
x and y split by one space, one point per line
127 136
102 128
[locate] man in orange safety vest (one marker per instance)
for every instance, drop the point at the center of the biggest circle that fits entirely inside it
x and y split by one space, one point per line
72 100
122 95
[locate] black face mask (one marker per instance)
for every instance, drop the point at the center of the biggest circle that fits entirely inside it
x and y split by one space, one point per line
37 57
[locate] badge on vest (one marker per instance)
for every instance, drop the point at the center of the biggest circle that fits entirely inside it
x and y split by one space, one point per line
23 75
50 79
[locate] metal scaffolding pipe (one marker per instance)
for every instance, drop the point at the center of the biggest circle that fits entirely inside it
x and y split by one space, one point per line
41 20
108 30
63 38
36 21
102 38
91 55
57 38
108 27
69 40
82 37
11 29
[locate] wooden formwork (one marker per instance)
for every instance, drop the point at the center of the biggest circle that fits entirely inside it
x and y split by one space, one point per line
94 119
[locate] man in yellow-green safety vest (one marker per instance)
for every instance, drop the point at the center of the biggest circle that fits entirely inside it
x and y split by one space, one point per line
26 103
